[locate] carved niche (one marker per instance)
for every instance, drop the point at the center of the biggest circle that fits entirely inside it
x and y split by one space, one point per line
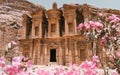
81 46
26 50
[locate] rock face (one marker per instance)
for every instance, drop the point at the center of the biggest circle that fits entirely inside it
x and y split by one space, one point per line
11 12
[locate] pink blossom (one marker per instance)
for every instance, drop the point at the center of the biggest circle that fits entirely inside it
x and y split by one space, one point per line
115 73
23 73
113 18
110 17
99 25
116 20
29 63
113 38
117 54
2 61
95 59
86 64
90 67
113 26
92 24
13 42
11 70
43 72
100 14
87 26
103 42
80 26
95 25
17 60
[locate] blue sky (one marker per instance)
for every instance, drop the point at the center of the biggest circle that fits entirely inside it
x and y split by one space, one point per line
114 4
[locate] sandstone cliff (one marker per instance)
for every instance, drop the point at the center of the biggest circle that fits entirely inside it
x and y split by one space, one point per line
11 12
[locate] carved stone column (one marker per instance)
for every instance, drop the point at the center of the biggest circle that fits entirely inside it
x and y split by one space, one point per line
24 26
60 55
66 28
75 26
34 53
76 54
49 29
24 32
38 57
33 30
31 47
45 54
66 52
70 55
58 30
41 55
40 29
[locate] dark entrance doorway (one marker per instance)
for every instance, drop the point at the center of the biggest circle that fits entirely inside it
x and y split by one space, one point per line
52 55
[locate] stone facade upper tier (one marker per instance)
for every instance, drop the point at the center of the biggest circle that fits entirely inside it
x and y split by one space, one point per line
60 22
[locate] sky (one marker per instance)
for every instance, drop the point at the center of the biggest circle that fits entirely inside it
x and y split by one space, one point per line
113 4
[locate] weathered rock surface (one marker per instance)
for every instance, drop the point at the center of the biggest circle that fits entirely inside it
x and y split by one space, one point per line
11 12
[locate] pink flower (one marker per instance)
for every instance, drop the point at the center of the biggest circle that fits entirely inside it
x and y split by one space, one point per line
89 67
11 70
103 42
13 42
86 64
95 59
113 38
113 18
87 26
17 60
23 73
92 24
113 26
115 73
2 61
117 54
99 25
43 72
100 14
80 26
29 63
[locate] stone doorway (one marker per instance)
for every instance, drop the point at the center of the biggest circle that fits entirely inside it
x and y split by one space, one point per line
52 55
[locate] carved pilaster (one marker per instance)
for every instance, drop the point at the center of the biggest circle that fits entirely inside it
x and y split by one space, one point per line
38 57
41 55
66 52
34 53
58 30
66 28
75 25
60 55
40 30
45 54
76 54
31 48
33 30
